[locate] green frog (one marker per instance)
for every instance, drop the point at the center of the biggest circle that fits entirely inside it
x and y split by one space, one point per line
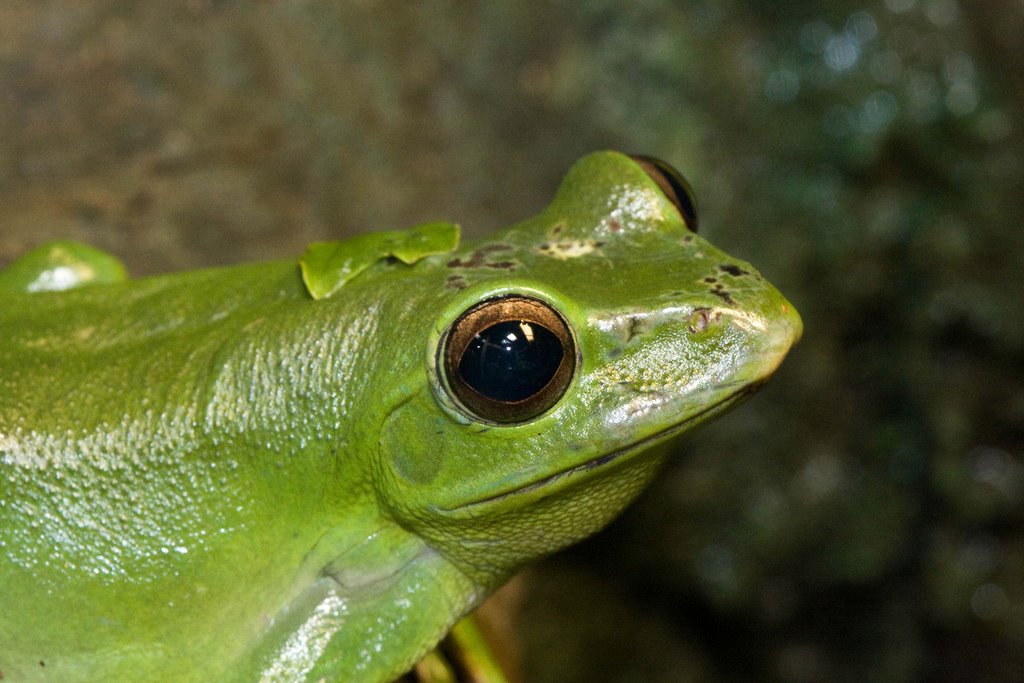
309 470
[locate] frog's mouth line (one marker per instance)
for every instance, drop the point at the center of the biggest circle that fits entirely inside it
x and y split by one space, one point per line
618 453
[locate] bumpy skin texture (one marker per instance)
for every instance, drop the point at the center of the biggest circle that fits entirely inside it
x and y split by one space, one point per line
214 476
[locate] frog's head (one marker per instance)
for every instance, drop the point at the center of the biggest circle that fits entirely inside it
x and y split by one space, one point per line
567 355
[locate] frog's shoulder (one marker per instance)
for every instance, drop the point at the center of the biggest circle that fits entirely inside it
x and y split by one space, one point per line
327 266
60 265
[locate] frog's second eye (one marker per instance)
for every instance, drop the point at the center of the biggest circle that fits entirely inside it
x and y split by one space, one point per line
508 359
673 184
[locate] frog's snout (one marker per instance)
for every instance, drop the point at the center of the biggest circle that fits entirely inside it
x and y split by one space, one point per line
793 319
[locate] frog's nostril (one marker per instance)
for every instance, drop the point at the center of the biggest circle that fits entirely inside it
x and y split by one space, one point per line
700 318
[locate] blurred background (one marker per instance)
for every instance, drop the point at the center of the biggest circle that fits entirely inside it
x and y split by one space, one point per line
862 518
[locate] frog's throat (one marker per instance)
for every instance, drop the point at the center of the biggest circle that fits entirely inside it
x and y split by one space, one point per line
619 453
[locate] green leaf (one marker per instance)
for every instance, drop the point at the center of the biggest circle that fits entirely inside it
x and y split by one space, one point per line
327 266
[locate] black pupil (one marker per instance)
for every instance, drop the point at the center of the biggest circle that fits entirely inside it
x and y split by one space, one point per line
511 360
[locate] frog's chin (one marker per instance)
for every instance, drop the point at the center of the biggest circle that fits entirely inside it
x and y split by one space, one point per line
623 453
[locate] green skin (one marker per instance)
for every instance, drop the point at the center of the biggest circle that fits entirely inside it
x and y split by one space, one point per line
257 473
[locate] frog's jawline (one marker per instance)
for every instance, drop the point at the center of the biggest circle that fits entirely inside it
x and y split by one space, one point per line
618 453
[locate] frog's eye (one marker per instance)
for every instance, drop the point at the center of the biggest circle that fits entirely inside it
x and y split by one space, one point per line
508 359
673 184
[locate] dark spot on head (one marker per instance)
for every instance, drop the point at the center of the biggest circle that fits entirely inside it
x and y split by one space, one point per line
688 238
614 225
615 353
732 269
557 229
475 260
599 244
455 282
724 295
42 663
709 280
544 246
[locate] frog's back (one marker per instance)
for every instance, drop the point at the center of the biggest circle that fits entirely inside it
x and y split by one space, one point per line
125 464
63 340
58 310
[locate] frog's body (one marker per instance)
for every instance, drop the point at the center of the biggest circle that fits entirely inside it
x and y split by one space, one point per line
216 476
